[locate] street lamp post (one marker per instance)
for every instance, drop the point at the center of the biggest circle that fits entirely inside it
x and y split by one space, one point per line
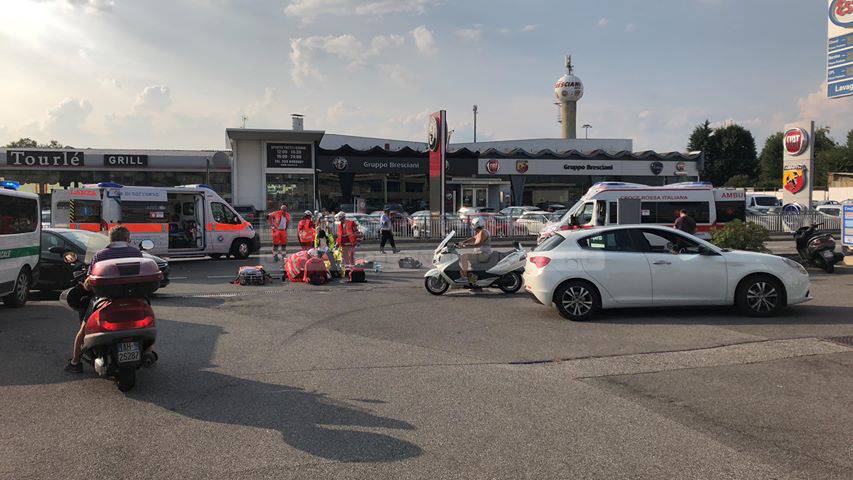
586 128
475 123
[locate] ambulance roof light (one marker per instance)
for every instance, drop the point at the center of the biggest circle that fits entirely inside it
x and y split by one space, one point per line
196 185
9 185
109 185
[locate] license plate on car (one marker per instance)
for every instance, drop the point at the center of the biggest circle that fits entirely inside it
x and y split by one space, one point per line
128 352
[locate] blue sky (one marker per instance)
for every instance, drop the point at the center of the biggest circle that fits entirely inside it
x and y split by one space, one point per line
175 74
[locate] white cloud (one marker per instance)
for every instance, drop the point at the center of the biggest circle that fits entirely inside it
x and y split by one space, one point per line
470 34
424 40
603 22
398 74
155 98
346 47
66 119
630 27
90 5
835 113
505 31
110 82
530 28
308 10
340 112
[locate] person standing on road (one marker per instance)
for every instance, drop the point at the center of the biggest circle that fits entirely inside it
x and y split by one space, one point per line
386 233
278 222
685 223
348 237
305 230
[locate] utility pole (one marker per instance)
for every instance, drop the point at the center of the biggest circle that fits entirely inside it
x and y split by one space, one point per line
243 119
475 123
586 128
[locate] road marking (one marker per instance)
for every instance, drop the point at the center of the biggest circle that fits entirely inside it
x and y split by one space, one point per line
220 276
180 278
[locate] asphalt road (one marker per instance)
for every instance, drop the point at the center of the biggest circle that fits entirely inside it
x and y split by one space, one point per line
382 380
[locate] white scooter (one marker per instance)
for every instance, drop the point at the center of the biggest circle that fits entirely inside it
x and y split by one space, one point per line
503 270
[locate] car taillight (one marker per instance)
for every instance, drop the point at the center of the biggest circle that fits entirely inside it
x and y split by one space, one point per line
540 262
565 227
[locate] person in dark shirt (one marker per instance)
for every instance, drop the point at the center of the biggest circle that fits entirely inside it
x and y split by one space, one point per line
119 247
685 223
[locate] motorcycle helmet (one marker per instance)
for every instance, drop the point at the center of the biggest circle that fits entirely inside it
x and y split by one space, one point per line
308 213
477 223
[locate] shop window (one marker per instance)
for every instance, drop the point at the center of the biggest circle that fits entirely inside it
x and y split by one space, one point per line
414 187
392 186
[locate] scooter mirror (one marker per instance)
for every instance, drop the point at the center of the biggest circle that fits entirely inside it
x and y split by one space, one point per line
146 245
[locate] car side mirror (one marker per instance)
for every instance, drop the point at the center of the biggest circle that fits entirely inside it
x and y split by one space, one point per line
56 250
146 245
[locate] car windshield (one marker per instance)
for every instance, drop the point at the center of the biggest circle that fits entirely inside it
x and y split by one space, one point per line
766 201
568 214
89 242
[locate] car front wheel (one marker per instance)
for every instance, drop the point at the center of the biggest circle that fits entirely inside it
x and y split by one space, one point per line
760 296
577 300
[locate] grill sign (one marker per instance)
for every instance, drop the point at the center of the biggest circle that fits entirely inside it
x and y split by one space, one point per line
796 141
37 159
125 160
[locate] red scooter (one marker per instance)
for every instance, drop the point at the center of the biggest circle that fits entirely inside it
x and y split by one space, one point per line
120 324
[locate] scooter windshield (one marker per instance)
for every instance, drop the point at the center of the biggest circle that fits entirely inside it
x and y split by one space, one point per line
444 242
89 242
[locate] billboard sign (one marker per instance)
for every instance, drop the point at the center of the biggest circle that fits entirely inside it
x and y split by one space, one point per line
437 142
289 155
839 48
798 163
847 225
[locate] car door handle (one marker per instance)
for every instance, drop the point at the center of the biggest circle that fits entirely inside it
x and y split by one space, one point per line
661 262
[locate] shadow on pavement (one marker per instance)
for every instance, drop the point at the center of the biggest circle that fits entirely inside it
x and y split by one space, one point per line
794 315
34 344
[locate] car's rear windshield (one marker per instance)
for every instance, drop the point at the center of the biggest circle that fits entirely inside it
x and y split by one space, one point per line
766 201
549 244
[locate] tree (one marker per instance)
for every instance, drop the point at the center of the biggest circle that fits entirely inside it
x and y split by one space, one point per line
739 181
770 162
729 151
27 142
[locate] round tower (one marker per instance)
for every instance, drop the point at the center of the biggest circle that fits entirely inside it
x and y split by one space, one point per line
568 90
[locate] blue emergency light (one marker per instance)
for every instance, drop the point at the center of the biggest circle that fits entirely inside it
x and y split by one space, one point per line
110 185
9 185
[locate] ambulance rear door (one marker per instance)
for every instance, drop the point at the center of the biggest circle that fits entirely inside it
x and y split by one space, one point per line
83 207
144 211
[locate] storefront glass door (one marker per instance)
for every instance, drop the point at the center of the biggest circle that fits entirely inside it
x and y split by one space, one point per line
475 197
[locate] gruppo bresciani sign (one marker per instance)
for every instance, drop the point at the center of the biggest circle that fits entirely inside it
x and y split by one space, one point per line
839 62
798 165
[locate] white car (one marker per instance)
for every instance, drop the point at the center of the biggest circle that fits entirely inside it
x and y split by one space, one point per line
581 271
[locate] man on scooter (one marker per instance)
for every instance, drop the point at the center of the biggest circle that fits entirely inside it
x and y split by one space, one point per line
482 243
119 247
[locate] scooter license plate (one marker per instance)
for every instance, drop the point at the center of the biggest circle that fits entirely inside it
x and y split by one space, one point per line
827 254
128 352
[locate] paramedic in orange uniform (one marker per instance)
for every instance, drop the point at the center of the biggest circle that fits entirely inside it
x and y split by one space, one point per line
306 231
278 222
348 236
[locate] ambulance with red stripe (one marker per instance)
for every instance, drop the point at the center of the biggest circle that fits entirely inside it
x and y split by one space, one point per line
187 220
709 206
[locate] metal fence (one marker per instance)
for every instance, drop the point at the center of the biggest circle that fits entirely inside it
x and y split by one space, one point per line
790 222
426 228
432 228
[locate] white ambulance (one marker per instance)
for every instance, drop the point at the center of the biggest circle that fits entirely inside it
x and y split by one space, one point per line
187 220
20 243
707 205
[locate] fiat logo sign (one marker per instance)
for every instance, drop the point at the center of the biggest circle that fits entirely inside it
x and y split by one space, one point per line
796 141
492 166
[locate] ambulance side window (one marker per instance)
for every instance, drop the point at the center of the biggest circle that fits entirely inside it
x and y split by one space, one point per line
84 211
585 216
223 214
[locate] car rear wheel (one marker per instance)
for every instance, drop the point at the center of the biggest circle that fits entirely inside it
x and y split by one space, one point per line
21 292
760 296
577 300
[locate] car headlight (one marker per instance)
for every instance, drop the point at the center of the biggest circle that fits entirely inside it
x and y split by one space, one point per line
795 265
69 257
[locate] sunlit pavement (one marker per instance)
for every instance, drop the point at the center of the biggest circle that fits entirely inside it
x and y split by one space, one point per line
383 380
